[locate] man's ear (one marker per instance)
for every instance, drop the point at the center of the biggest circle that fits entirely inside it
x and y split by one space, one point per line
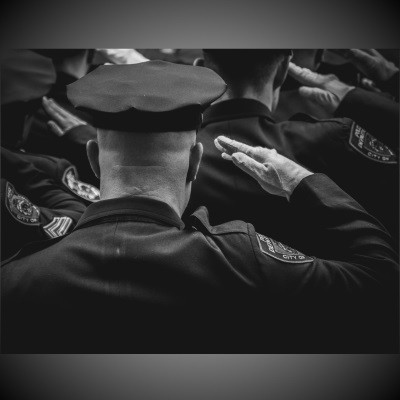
194 161
92 149
198 62
282 71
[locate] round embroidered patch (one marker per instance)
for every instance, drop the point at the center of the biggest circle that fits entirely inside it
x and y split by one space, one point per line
81 189
21 208
370 147
281 252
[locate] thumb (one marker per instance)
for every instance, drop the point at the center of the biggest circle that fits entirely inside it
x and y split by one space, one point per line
315 95
248 165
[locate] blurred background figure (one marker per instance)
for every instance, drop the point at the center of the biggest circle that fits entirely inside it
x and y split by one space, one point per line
118 56
367 69
178 56
42 195
25 77
70 65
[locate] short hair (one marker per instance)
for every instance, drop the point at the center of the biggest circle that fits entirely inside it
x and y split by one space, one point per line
244 65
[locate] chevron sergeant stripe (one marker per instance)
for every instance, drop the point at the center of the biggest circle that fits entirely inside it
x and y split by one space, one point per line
58 226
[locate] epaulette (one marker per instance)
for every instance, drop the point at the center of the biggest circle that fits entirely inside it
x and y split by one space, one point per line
308 118
200 221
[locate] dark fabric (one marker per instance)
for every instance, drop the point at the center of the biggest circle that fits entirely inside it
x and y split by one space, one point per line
25 76
391 85
375 113
72 145
39 190
132 278
319 145
133 97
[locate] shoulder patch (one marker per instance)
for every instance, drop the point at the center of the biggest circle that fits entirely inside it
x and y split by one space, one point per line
20 207
58 227
81 189
364 143
280 251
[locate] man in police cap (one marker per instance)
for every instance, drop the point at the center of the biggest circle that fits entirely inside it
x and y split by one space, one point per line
363 166
132 277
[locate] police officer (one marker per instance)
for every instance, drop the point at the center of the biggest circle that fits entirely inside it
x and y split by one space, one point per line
70 65
36 202
363 166
373 111
25 78
132 277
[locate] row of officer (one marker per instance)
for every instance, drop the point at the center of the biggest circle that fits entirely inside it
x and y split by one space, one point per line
134 277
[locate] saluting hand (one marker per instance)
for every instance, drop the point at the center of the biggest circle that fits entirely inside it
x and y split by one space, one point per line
370 62
275 173
61 120
325 90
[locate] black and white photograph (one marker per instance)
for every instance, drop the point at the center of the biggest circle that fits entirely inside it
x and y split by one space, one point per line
217 210
197 201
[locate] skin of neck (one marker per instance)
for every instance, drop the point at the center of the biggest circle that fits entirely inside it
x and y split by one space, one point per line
160 166
152 181
265 94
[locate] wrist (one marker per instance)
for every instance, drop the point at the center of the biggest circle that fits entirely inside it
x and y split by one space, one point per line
341 90
299 176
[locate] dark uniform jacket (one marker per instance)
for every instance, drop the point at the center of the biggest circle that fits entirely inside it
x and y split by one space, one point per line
362 166
41 197
375 112
132 277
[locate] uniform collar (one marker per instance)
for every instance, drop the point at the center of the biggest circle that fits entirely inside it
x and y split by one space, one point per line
138 206
236 108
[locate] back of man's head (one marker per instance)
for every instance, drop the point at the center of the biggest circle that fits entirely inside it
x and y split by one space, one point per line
147 115
247 66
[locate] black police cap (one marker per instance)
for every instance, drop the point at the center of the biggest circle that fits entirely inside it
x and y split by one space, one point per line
154 96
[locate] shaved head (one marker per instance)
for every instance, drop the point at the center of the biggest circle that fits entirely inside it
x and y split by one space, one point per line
146 164
132 149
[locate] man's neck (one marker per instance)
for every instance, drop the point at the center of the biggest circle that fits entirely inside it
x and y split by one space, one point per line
155 187
265 95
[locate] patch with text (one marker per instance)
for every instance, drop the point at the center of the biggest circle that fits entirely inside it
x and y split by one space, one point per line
364 143
281 252
20 207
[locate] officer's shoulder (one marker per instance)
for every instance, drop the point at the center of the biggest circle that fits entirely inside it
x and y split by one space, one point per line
30 249
308 119
199 220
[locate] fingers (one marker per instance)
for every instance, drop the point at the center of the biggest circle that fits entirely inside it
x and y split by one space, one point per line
360 57
55 128
229 146
52 110
247 164
316 95
305 76
58 113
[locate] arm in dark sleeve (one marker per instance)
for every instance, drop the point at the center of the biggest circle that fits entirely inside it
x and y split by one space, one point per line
40 188
23 222
74 142
391 86
375 113
351 287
